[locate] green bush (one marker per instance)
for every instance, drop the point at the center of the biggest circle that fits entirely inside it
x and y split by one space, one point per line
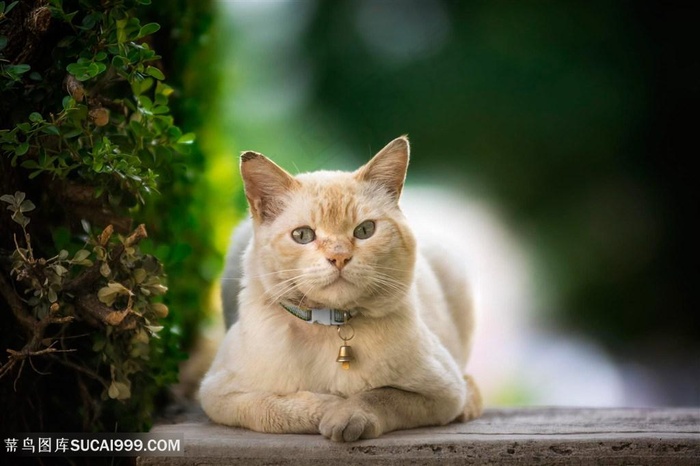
88 145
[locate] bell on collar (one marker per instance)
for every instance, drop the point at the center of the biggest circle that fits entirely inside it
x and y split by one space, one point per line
345 356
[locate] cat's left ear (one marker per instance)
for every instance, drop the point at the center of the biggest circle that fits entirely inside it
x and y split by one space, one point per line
388 167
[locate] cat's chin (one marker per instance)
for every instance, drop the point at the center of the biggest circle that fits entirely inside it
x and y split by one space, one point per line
325 304
339 294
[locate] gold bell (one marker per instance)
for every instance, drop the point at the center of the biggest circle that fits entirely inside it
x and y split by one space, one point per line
345 356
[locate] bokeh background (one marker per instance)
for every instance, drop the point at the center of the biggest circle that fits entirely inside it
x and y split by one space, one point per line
555 133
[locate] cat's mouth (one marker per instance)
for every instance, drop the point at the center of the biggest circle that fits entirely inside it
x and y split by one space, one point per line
339 279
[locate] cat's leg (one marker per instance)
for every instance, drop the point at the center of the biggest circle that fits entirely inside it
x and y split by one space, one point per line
298 413
370 414
474 405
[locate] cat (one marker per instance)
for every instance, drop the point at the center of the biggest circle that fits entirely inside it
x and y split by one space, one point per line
334 248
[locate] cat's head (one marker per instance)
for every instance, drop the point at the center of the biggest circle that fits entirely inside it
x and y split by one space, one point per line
331 239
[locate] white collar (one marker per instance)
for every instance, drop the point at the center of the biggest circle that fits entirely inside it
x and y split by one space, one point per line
323 316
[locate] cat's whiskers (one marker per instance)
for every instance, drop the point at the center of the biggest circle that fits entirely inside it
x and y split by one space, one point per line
376 279
262 275
377 268
381 278
277 272
287 286
383 282
382 288
390 278
283 287
384 267
307 292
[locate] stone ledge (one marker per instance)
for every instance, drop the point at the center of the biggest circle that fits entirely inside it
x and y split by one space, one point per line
501 436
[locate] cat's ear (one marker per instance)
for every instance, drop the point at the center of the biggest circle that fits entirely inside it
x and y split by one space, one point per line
388 167
266 185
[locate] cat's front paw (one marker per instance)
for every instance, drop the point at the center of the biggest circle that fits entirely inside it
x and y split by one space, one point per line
348 423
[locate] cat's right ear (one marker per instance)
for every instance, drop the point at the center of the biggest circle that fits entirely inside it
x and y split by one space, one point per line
266 185
388 167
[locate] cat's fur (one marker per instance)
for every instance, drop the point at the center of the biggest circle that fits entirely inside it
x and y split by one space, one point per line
276 373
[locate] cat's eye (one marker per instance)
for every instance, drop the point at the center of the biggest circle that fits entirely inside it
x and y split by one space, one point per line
364 230
303 235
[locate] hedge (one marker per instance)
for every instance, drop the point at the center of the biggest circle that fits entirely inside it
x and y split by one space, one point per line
92 163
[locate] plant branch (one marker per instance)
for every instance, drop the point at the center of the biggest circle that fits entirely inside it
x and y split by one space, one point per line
79 368
17 307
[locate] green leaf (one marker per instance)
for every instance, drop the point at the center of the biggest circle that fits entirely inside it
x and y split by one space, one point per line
51 129
3 42
21 68
155 72
14 71
22 148
30 164
119 62
66 41
73 133
79 70
145 102
174 133
10 6
90 20
35 117
137 128
121 31
161 110
148 29
100 67
68 102
68 19
93 69
187 138
139 86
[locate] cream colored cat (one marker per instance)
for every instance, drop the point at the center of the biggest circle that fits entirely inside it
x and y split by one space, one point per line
338 241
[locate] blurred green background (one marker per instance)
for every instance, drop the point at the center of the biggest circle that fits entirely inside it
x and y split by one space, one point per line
570 119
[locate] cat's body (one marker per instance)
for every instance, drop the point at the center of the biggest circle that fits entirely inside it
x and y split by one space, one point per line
410 310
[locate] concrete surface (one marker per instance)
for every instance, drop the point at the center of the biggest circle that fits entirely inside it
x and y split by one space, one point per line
501 436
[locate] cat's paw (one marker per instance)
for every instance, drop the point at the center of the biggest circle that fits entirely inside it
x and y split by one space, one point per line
474 406
349 423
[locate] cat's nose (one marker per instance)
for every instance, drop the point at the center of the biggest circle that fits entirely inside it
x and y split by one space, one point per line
340 260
